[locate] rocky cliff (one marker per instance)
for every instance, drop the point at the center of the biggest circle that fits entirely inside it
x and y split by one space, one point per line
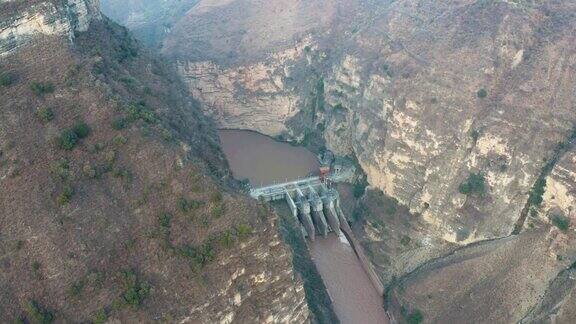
115 199
527 278
453 109
420 113
21 21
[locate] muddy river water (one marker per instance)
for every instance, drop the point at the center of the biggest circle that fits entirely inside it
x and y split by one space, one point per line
263 160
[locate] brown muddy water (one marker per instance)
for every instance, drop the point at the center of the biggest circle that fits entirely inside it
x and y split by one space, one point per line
262 160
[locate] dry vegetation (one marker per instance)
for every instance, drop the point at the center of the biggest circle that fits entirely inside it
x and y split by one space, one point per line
113 190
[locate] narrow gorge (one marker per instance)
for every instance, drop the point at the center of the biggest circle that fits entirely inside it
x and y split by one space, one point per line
132 133
452 111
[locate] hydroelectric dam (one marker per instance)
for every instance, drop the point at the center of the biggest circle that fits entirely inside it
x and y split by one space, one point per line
353 285
312 201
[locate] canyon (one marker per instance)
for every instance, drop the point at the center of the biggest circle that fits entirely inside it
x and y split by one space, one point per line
459 116
427 96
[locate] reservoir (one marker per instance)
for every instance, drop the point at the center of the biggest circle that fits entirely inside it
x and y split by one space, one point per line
262 160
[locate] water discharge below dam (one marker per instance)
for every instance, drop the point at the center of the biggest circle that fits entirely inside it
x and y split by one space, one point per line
262 160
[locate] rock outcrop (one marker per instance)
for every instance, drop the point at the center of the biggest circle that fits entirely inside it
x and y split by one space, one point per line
524 278
267 112
33 18
560 195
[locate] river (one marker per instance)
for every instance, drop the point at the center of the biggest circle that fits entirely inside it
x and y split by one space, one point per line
262 160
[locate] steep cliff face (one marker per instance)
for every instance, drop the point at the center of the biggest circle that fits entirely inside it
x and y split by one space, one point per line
556 304
251 70
261 102
525 278
424 124
423 93
560 195
115 199
21 21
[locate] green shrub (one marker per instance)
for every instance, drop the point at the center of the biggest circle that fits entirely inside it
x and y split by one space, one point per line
166 135
110 156
76 289
119 123
6 79
134 290
122 173
415 317
475 134
359 213
37 314
36 270
119 140
164 220
95 148
60 170
227 239
535 197
391 207
65 196
475 184
68 139
216 197
482 93
140 111
243 231
147 90
199 256
319 100
204 221
358 189
95 279
41 88
339 107
217 211
89 171
19 245
148 116
100 317
45 114
127 50
188 205
129 81
562 222
405 240
81 130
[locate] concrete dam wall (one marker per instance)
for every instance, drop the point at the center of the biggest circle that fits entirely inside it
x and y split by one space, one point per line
311 201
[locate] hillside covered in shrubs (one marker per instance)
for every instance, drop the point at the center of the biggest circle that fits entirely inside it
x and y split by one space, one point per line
115 199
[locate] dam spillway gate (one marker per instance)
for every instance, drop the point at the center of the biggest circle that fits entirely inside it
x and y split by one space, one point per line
311 201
